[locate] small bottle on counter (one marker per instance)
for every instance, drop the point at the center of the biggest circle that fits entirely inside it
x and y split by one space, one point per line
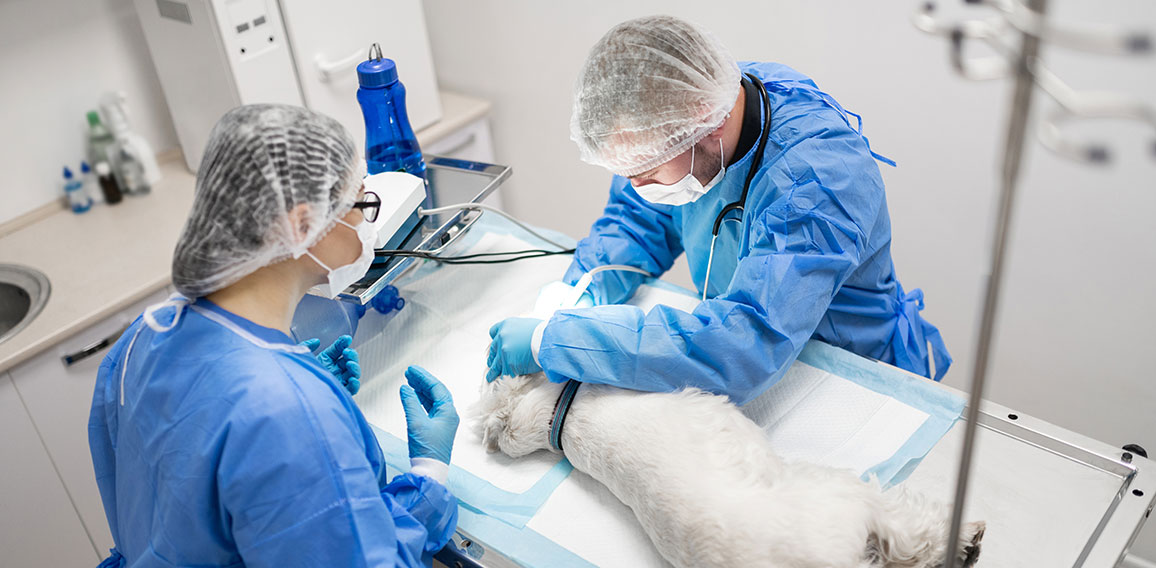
74 190
108 186
100 141
91 185
131 170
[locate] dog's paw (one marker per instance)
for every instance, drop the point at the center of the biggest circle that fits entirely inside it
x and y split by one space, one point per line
970 539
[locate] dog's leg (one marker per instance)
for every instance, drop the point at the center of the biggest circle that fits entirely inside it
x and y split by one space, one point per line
911 531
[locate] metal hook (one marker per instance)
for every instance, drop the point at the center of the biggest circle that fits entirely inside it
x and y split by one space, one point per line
1098 39
1014 16
1088 105
372 49
989 30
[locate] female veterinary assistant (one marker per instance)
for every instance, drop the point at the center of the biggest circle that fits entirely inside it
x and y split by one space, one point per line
216 440
756 155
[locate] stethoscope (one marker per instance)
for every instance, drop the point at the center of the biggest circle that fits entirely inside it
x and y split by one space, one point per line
756 163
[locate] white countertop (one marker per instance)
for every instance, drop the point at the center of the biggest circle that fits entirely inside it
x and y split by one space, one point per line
102 261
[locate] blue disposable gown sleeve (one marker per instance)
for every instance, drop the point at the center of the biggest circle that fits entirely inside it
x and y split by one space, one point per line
805 240
631 231
300 491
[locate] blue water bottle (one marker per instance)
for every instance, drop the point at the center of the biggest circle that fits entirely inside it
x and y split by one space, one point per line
390 144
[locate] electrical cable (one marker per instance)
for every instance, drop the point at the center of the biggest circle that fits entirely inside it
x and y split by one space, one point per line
474 258
484 207
470 258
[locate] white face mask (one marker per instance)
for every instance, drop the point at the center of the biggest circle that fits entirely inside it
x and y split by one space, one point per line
686 190
341 277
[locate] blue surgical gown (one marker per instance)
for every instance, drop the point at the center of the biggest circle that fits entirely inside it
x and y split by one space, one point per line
223 447
810 258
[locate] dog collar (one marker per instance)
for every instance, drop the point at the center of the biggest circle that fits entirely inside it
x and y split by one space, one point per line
561 406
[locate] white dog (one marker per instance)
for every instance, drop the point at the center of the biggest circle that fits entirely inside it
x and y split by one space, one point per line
707 488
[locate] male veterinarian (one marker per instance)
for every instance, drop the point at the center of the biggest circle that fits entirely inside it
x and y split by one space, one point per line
765 183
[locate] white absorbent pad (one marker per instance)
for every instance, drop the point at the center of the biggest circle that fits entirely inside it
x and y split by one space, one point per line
835 408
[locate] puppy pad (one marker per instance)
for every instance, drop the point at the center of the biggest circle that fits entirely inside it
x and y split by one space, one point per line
815 413
835 408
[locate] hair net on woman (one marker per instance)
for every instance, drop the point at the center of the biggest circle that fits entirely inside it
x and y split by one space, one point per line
650 89
261 163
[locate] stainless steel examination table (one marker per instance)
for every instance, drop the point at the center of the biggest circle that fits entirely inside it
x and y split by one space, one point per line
1050 497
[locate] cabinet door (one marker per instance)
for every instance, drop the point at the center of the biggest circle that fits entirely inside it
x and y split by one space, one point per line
329 40
59 396
38 525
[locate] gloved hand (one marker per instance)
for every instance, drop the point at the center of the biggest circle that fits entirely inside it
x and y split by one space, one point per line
430 416
341 360
510 348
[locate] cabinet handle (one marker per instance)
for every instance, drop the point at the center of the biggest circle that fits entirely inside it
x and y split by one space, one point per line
326 69
92 349
456 147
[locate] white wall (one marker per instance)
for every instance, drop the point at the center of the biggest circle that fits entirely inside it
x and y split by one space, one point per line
56 59
1076 318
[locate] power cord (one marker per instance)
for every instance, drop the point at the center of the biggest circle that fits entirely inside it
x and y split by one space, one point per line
469 258
475 258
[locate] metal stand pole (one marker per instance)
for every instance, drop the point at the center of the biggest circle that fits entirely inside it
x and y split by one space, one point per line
1013 152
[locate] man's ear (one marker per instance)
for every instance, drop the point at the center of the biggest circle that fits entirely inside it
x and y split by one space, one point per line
716 134
299 221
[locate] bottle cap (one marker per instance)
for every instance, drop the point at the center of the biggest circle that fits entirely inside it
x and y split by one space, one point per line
376 72
103 169
93 118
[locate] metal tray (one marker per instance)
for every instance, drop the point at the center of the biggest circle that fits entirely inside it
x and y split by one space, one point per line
450 181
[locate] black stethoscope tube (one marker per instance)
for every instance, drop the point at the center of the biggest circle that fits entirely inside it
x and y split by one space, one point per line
756 163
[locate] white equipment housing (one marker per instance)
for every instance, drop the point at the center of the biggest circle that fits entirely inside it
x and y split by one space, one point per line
401 194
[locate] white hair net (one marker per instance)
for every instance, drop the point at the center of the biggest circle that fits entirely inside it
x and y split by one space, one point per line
650 89
261 163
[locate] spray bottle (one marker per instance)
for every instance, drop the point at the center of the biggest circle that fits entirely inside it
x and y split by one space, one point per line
115 111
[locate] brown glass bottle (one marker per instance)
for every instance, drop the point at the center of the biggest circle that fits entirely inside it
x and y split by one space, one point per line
108 185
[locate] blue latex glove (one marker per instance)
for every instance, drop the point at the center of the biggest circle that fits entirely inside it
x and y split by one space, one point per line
430 416
341 360
510 349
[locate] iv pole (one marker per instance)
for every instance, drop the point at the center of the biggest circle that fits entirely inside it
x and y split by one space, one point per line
1013 147
1027 19
1013 152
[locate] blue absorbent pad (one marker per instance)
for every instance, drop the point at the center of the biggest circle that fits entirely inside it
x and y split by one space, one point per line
478 495
499 516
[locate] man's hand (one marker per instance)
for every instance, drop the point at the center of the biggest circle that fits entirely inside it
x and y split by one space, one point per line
510 352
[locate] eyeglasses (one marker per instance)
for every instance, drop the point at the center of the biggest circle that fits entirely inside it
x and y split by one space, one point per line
370 206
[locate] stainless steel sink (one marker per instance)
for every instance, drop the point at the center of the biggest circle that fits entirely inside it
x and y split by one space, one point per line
23 293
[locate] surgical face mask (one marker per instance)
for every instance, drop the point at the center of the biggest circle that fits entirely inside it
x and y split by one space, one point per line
341 277
686 190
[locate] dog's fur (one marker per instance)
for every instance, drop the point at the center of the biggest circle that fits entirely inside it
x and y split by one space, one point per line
705 485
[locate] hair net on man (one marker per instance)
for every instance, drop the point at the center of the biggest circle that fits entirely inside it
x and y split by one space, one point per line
273 181
650 89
